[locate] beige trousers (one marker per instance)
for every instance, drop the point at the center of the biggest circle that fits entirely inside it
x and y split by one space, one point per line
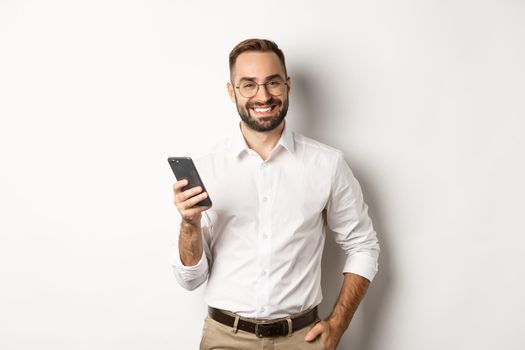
216 336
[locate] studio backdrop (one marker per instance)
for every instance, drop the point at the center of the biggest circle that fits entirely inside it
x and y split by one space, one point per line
425 99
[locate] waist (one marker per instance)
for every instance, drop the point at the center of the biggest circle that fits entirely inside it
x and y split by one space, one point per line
273 309
263 327
270 296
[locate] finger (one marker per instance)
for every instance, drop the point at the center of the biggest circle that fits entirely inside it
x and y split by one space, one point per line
188 214
184 196
194 200
179 184
191 211
191 192
314 332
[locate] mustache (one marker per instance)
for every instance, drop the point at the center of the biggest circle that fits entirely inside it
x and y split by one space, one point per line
270 102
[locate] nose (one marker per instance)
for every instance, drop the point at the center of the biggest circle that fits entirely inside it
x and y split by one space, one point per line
262 93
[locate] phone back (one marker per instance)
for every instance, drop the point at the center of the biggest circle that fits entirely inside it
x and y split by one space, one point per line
184 168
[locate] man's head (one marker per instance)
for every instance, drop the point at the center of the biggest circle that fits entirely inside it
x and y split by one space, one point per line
259 84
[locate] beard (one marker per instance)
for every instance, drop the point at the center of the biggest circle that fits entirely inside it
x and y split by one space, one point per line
267 123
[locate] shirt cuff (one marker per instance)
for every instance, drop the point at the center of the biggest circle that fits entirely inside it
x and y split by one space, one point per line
361 264
189 273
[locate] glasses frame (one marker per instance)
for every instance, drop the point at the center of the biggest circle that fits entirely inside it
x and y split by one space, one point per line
285 82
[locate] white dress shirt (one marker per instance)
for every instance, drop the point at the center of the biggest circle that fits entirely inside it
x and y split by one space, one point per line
263 237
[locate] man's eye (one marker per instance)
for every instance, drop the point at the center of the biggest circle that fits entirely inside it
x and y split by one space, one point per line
248 86
274 83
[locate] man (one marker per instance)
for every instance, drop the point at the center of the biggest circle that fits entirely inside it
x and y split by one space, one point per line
260 244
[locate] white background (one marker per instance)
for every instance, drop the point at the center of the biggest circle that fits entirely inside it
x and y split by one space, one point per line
426 99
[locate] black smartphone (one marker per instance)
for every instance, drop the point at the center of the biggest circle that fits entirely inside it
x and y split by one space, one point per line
184 168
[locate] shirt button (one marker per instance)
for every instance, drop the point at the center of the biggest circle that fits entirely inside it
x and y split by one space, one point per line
265 236
265 199
263 273
262 309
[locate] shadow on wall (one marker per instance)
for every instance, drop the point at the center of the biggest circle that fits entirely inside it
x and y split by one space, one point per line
360 335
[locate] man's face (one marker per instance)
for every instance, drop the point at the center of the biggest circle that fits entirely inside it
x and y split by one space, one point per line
262 112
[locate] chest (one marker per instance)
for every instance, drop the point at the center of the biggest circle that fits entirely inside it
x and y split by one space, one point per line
280 190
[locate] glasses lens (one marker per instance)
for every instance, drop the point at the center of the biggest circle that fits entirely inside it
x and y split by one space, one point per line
275 87
248 89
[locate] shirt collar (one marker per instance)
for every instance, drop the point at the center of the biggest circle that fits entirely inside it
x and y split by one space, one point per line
238 145
287 140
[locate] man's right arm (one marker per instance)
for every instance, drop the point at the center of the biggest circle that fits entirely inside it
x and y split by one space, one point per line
189 261
190 243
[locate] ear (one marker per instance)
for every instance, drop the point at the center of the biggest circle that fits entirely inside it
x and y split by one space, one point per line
289 82
231 91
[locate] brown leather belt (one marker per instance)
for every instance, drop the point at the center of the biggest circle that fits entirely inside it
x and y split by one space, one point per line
266 328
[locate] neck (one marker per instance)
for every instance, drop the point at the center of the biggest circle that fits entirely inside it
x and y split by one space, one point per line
262 142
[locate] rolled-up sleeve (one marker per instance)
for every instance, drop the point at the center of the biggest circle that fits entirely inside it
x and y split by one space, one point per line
191 277
347 217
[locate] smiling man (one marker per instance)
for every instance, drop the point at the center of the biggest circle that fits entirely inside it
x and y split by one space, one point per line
260 246
266 113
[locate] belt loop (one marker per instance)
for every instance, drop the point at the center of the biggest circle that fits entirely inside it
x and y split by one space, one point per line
290 330
236 324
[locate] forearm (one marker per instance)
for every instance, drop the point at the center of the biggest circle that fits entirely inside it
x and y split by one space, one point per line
190 244
352 292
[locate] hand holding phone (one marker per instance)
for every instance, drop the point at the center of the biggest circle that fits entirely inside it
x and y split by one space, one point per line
189 191
184 169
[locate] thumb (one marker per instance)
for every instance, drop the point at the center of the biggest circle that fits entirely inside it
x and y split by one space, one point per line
314 332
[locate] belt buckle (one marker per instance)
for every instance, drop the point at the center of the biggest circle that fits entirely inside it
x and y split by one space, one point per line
260 326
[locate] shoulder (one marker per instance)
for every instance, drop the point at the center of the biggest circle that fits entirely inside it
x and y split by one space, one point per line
308 147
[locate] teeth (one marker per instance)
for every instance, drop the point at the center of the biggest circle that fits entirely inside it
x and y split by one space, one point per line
262 110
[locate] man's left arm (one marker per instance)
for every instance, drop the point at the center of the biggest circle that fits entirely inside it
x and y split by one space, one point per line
352 292
347 217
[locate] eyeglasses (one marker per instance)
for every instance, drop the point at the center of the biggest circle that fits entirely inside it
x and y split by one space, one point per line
249 89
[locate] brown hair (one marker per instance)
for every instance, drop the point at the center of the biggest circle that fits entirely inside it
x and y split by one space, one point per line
261 45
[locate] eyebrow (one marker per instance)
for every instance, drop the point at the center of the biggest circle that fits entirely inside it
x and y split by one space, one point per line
268 78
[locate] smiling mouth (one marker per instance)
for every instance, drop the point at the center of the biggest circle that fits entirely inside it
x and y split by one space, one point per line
263 110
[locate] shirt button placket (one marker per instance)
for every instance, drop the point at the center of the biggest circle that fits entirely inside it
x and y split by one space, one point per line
264 237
